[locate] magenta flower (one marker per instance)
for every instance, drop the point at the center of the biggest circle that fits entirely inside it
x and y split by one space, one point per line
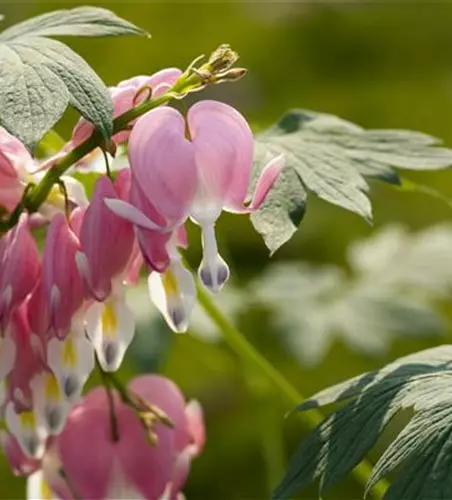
69 354
62 282
125 96
19 269
21 419
107 242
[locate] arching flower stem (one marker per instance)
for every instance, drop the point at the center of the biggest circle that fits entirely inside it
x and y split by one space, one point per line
190 81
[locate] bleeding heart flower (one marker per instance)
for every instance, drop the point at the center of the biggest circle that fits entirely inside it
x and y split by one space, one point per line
62 283
19 269
125 96
194 167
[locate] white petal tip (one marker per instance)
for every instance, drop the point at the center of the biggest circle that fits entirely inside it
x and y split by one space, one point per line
215 276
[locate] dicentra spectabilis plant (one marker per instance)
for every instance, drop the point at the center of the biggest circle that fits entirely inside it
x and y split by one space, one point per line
64 311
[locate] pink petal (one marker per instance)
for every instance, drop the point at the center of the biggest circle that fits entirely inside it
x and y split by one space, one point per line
163 79
196 428
153 248
125 97
27 364
62 282
182 238
139 200
11 187
76 220
130 213
106 239
223 144
162 163
268 177
180 473
20 269
88 428
163 393
148 468
133 268
123 183
37 312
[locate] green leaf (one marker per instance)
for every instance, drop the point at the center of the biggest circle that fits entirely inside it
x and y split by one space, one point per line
421 382
81 21
312 306
40 77
332 157
424 451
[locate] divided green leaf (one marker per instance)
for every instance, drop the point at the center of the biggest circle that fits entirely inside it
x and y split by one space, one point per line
331 158
420 456
40 77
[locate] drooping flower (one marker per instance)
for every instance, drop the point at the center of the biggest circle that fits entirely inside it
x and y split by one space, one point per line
107 242
69 354
22 420
62 283
19 269
194 167
130 466
128 94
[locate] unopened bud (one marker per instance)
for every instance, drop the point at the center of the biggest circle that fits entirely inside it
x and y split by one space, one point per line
222 59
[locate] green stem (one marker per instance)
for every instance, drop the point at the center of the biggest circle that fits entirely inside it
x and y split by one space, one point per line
111 404
271 439
240 344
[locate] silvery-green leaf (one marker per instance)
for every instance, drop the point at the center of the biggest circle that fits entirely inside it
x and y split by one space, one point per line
331 158
80 21
40 77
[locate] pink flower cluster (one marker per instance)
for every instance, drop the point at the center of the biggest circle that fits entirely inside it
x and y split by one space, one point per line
133 466
62 310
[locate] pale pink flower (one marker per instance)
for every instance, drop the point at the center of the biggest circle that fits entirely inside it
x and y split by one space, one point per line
15 161
194 167
125 96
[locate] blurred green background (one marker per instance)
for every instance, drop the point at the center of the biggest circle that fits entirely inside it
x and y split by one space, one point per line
379 64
